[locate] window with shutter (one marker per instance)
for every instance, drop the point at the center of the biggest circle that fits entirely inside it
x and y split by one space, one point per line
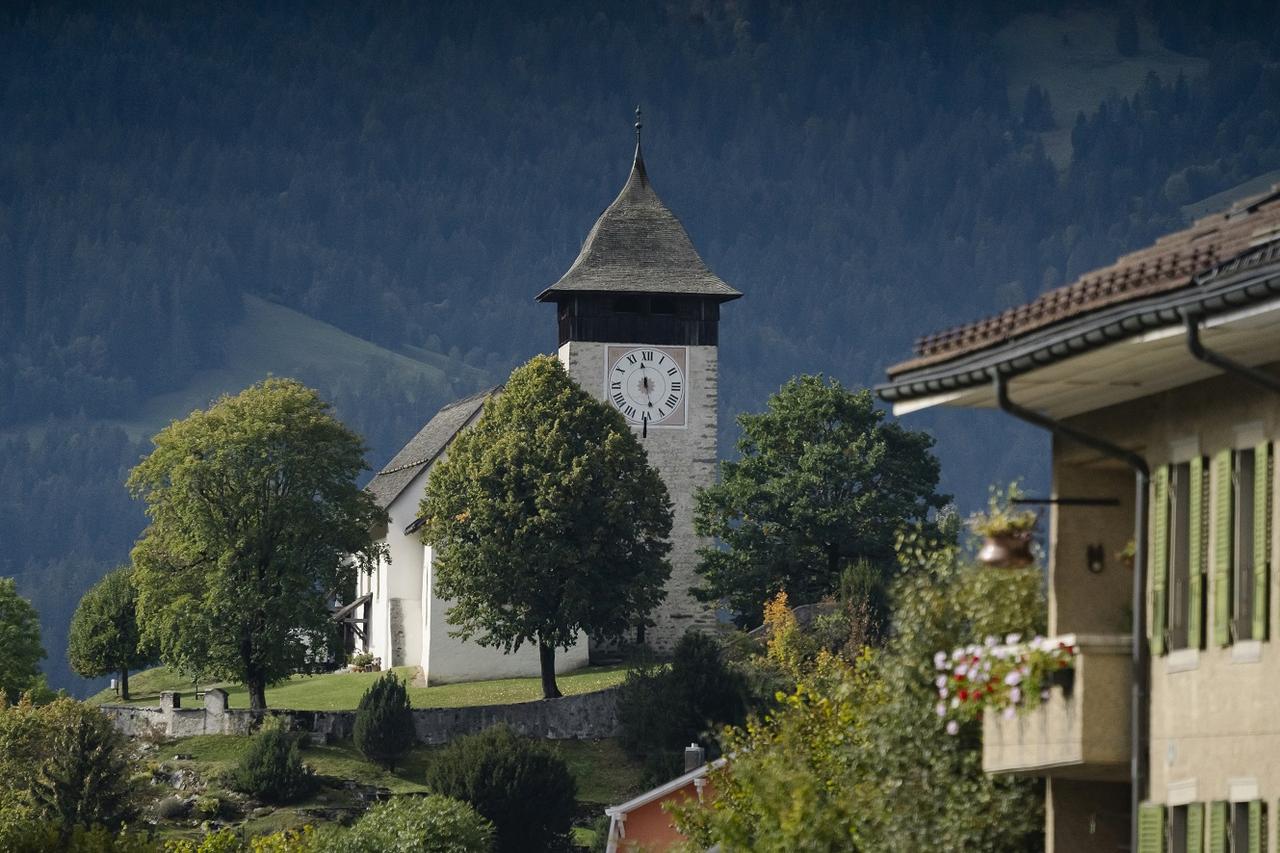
1223 499
1151 828
1159 558
1195 828
1243 544
1179 580
1218 827
1195 553
1262 476
1257 827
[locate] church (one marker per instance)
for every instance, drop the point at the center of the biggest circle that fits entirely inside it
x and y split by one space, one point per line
638 316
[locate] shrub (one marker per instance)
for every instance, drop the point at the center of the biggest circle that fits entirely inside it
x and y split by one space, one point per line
272 770
661 710
384 721
63 764
518 783
433 824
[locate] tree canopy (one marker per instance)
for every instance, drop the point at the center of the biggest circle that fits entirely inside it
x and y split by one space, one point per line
823 482
20 640
104 638
857 758
255 523
547 520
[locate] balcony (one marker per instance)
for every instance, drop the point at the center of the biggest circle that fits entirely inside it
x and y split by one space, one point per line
1081 731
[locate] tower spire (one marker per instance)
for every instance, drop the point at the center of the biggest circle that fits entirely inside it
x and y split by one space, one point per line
637 168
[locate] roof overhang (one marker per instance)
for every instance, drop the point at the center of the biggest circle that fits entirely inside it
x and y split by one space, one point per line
1114 355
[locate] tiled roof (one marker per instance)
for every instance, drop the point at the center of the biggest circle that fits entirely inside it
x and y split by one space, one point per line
424 447
638 246
1171 263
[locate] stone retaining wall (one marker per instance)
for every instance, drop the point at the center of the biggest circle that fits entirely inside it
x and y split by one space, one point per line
587 715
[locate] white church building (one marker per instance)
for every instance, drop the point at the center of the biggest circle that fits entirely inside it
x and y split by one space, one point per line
638 316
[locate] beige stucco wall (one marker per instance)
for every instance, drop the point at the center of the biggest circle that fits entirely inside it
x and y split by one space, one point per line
685 457
1215 730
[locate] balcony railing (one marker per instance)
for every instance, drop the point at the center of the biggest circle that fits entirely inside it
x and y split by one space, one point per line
1082 730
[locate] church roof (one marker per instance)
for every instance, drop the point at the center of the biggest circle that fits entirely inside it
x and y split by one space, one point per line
638 246
424 447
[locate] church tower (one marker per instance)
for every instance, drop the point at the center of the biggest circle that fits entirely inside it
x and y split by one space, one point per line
638 316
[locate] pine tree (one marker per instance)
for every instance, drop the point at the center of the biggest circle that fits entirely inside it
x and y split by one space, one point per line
384 721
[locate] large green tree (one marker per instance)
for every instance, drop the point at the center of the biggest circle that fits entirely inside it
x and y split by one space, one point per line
20 642
823 482
255 522
104 637
547 520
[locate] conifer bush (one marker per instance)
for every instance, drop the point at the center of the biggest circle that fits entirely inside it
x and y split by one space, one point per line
271 769
516 782
432 824
384 722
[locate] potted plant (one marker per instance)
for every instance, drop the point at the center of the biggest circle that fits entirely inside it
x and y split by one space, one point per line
1127 553
361 662
1007 531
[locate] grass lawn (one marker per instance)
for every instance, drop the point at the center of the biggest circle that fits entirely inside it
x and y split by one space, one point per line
341 691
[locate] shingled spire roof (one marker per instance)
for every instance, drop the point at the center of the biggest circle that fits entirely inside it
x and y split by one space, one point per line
638 246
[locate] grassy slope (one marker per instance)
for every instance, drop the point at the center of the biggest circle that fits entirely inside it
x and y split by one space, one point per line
605 776
1073 57
342 691
275 340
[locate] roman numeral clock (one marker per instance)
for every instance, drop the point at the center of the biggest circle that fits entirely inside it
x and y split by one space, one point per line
647 384
638 319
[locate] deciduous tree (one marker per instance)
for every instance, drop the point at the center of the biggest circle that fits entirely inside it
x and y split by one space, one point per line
823 481
547 520
104 636
255 522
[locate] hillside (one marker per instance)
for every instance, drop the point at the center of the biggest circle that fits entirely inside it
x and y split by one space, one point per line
193 195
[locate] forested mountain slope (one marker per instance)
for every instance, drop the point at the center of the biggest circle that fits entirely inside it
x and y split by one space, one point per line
412 174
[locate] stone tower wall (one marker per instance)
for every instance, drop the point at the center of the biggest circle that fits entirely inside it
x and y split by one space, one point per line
685 457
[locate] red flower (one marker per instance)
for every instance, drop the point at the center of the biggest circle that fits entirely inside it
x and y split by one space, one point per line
963 695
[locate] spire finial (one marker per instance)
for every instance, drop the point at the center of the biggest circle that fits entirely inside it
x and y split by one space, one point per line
639 125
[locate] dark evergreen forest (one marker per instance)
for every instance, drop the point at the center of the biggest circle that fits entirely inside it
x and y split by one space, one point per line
415 173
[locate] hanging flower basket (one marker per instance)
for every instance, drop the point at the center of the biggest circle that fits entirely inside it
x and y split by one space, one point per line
1007 551
1006 530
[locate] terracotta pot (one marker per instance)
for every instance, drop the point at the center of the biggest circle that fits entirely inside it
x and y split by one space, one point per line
1007 551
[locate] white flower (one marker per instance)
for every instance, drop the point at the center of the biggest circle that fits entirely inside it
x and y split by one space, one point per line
1015 695
941 682
991 641
953 728
941 709
962 670
940 660
1014 678
944 692
1012 638
955 703
957 654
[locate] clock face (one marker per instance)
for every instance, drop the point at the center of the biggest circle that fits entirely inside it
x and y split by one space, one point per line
647 384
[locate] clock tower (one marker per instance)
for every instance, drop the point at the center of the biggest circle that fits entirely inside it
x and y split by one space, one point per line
638 316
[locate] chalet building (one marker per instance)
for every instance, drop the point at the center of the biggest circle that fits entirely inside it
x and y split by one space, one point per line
637 317
643 824
1159 380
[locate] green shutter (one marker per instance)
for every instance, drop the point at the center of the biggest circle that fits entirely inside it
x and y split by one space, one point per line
1256 841
1195 828
1218 827
1261 536
1159 559
1150 828
1223 497
1195 591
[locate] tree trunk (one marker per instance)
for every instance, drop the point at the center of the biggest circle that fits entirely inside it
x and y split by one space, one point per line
124 685
547 658
257 687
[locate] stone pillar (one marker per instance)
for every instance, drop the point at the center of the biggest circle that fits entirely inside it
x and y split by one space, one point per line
170 700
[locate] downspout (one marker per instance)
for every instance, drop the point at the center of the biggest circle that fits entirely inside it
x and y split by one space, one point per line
1139 759
1227 365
